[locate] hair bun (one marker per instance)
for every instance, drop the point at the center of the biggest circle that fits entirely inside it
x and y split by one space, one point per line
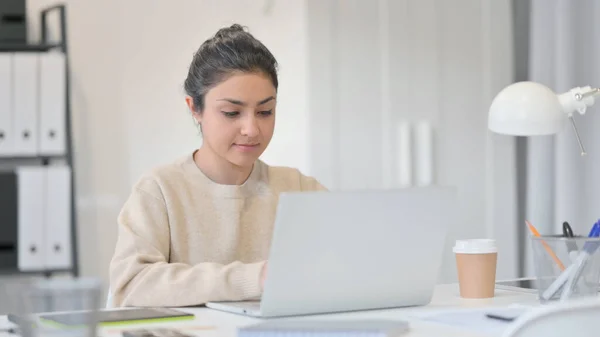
229 31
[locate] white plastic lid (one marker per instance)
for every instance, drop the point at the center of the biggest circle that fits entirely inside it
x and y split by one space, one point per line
475 246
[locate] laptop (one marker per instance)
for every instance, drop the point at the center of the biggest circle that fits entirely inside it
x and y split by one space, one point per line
353 250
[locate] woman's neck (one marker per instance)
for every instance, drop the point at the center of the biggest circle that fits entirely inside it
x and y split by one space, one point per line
220 170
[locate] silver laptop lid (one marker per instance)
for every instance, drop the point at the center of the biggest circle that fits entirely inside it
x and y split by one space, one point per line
356 250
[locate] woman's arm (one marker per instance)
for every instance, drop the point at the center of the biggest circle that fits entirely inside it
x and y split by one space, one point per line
309 183
140 272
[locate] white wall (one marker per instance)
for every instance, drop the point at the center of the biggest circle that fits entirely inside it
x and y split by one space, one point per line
130 58
374 64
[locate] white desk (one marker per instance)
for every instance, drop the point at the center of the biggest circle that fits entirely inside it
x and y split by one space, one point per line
211 323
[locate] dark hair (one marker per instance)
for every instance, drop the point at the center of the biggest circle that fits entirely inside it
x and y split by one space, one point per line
231 50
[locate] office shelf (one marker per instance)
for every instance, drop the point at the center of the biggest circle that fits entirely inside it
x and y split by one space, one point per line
28 47
25 157
46 160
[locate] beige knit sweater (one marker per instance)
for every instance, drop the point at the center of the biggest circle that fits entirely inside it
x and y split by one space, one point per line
185 240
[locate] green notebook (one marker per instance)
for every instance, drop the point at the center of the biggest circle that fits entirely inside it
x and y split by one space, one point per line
116 316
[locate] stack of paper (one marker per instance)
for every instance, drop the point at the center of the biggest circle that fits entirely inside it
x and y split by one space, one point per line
475 320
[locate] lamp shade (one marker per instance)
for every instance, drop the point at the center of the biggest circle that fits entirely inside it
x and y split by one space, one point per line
526 109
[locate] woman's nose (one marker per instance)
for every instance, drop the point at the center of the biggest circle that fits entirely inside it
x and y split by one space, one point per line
250 127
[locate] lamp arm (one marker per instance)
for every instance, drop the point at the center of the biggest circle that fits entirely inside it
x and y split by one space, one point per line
590 93
578 99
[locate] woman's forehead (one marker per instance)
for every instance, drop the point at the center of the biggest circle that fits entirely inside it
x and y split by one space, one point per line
246 87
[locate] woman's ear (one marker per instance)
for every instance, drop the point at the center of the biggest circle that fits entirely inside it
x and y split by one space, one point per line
190 103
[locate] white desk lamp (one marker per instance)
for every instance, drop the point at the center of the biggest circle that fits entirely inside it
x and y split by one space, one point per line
532 109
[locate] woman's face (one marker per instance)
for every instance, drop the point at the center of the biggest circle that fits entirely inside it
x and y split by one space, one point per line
239 117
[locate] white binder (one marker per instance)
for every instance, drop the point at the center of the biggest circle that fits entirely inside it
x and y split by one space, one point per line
52 103
58 218
25 103
6 117
30 213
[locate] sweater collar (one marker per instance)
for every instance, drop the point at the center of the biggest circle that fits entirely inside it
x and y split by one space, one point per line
254 185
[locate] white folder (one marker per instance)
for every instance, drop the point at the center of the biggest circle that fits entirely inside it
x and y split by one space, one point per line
52 103
25 103
30 214
6 117
58 217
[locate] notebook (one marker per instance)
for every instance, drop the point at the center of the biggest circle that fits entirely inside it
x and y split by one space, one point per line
117 316
326 328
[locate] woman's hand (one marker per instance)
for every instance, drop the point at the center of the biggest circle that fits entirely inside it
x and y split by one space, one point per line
263 276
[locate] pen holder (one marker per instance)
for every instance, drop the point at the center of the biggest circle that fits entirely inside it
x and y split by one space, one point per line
566 268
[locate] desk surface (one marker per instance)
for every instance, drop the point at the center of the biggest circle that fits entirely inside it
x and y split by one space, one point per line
211 323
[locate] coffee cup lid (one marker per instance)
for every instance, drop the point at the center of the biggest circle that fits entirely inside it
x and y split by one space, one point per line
475 246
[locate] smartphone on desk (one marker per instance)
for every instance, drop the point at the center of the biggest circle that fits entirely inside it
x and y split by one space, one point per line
522 285
527 284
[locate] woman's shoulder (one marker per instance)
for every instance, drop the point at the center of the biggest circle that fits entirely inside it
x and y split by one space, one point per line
291 178
154 180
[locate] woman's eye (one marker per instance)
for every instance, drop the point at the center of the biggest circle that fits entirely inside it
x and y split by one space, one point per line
230 113
266 113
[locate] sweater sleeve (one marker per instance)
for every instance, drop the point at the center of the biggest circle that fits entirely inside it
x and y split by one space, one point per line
140 272
311 184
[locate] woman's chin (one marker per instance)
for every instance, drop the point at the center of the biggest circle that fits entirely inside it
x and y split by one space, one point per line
243 160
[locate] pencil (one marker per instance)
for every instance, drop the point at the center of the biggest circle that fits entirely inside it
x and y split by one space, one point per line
535 233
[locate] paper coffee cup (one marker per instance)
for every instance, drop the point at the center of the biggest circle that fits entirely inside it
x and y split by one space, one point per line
476 265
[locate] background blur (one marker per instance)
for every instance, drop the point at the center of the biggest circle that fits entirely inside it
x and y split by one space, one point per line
354 76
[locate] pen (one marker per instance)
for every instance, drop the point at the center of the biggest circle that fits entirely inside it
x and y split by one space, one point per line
567 230
535 233
568 233
558 283
501 318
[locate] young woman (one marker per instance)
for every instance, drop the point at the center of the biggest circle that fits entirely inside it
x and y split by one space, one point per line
199 229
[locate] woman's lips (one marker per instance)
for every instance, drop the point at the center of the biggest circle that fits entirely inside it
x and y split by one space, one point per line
246 147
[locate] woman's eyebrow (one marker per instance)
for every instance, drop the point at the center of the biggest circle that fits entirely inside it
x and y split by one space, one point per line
241 103
268 99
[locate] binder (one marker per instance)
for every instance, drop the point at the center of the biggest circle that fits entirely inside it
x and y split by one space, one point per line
58 217
6 119
8 220
25 103
30 218
52 103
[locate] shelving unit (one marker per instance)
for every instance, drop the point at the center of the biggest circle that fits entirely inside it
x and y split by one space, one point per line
46 159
